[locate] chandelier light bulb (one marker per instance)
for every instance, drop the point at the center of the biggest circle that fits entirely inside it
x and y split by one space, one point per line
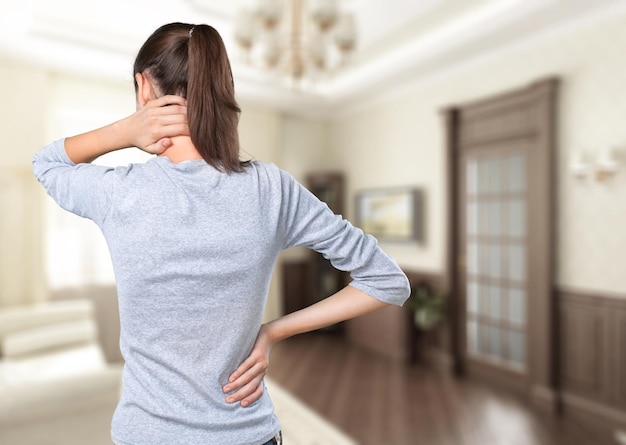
324 13
271 52
345 33
270 12
318 52
245 29
297 66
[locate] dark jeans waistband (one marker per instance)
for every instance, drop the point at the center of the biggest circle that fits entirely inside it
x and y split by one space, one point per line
276 440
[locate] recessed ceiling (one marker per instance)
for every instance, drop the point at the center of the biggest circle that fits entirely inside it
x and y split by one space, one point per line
398 40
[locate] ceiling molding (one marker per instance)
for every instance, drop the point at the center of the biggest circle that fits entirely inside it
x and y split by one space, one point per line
431 38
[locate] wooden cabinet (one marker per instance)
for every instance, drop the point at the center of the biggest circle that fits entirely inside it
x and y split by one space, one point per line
329 188
296 285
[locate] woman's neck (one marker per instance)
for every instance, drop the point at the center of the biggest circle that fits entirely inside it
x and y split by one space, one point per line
182 149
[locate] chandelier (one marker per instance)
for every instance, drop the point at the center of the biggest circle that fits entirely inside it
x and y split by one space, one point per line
300 40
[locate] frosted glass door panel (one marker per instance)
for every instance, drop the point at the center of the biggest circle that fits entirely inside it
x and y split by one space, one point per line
484 301
472 177
484 212
472 259
495 336
517 348
483 259
483 339
516 173
495 215
472 297
495 245
472 337
472 218
517 306
483 177
516 218
495 299
517 262
495 175
495 261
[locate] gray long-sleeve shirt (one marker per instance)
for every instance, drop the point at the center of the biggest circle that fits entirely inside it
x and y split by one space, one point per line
193 250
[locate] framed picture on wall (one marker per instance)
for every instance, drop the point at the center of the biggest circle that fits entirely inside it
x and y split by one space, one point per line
391 214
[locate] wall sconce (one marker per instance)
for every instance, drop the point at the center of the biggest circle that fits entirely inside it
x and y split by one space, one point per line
579 166
605 167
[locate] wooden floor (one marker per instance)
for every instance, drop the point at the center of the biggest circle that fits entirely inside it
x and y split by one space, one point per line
381 402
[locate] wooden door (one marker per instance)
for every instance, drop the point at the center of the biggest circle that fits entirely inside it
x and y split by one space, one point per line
502 244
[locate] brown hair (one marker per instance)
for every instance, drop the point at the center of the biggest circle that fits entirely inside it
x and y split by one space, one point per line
191 61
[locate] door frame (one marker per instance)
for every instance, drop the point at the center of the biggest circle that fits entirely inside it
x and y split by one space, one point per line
539 99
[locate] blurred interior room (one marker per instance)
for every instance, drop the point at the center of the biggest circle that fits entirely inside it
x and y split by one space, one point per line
482 142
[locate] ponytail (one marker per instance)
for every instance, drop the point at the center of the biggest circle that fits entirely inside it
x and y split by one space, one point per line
191 61
212 112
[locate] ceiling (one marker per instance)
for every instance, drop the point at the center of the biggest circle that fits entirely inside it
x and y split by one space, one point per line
399 41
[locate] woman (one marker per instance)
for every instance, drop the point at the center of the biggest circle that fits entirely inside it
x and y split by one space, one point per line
193 235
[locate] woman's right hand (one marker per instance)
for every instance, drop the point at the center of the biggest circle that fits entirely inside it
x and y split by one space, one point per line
151 127
245 384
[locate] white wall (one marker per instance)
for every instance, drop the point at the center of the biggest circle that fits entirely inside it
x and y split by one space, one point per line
259 133
304 146
400 141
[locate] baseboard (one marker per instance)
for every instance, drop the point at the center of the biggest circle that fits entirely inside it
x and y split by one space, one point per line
545 399
601 414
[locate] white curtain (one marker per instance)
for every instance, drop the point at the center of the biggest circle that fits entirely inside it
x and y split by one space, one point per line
21 277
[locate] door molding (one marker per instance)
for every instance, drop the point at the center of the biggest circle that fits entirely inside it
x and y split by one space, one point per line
534 108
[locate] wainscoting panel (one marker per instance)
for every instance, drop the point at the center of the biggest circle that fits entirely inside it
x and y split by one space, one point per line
583 348
620 368
592 344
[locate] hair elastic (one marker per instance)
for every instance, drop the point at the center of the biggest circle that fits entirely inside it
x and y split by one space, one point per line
191 31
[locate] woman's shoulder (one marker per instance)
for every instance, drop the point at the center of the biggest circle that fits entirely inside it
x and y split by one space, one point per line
270 169
261 168
272 175
260 165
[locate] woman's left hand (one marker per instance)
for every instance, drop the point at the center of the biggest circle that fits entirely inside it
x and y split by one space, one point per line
247 380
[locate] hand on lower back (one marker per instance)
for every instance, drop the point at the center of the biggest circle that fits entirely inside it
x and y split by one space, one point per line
245 385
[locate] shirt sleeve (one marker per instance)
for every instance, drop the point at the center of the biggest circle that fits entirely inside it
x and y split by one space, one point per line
309 222
83 189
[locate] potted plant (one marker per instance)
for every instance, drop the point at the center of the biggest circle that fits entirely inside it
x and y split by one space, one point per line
427 307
